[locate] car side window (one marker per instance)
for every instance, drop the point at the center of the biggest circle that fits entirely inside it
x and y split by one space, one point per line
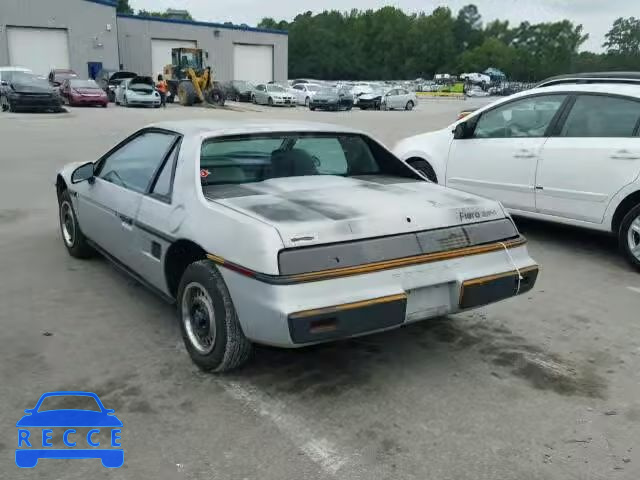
133 165
601 116
164 184
529 117
327 153
297 87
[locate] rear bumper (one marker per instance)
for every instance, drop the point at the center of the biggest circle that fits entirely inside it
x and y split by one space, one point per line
300 314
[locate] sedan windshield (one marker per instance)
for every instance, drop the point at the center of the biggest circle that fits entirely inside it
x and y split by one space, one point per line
275 88
83 84
256 158
23 78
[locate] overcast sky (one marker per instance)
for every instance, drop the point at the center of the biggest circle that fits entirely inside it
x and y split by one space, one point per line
595 15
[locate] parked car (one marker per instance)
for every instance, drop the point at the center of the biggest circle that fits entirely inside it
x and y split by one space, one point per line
371 100
20 90
331 99
304 92
110 79
568 153
137 91
287 235
476 91
238 90
399 98
78 92
271 94
59 75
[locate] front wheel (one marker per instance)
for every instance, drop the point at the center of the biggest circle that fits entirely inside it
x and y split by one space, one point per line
629 236
208 320
307 101
270 102
73 238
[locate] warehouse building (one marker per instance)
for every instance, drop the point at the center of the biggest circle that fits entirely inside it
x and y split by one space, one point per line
87 35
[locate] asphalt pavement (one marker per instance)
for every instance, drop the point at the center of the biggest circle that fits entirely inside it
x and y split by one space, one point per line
543 386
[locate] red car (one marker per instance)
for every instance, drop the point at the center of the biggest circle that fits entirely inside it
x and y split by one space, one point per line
77 92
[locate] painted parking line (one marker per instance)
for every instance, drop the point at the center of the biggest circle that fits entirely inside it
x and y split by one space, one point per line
330 457
634 289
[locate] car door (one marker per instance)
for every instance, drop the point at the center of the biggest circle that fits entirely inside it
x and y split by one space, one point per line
401 99
261 94
157 217
593 153
390 98
299 93
108 204
498 158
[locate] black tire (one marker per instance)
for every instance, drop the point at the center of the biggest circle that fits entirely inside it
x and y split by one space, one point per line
254 100
270 102
125 103
72 237
186 93
424 167
307 101
313 109
215 97
349 107
628 235
409 105
237 98
202 291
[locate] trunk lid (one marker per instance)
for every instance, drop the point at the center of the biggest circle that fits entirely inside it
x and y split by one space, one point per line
322 209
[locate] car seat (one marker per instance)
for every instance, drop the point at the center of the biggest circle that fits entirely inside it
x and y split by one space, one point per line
292 163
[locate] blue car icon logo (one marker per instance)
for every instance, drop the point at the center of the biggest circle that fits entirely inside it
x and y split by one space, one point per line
32 446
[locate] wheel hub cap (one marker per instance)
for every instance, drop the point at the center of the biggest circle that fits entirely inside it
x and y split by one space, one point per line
633 238
198 318
67 223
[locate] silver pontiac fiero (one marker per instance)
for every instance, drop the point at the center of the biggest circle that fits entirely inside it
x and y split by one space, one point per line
286 234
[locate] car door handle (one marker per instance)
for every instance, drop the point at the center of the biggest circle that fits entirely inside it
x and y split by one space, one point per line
624 155
524 154
126 220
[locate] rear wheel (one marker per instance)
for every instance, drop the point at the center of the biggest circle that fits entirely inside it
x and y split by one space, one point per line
208 320
307 101
254 100
186 93
270 102
73 238
629 236
409 105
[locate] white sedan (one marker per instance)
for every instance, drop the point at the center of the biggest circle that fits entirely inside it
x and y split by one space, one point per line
137 91
304 92
568 153
285 234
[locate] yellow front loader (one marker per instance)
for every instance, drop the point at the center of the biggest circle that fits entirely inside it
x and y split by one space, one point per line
189 81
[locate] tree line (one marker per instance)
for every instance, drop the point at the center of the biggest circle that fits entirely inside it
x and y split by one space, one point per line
390 44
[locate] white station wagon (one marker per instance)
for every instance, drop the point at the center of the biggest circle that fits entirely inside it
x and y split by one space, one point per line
286 234
566 152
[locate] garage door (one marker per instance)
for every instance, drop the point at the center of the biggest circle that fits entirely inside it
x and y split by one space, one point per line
39 49
253 63
161 52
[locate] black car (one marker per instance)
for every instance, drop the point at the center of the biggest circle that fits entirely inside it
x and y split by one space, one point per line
238 90
110 79
331 99
26 91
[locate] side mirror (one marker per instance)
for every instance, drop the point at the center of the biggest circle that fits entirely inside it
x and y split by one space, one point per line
82 173
461 131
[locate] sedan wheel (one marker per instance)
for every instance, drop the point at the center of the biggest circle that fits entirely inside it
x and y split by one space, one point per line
629 236
208 320
409 105
307 101
4 104
73 238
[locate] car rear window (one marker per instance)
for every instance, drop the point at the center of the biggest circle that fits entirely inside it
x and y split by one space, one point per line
255 158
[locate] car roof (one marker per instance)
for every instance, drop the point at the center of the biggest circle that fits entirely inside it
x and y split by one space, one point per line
604 77
218 128
631 90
